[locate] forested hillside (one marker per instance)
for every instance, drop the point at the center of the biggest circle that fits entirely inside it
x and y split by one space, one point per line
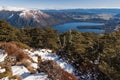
89 53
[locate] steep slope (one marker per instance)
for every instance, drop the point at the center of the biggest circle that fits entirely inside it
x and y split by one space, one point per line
25 64
20 17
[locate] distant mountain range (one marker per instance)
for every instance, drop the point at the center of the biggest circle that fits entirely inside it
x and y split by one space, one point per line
98 11
21 17
26 18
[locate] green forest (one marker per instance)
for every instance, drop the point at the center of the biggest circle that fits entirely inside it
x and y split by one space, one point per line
82 50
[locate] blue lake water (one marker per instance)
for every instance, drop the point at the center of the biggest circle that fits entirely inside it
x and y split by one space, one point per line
73 26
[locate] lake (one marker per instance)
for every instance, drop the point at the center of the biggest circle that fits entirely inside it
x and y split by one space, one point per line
73 26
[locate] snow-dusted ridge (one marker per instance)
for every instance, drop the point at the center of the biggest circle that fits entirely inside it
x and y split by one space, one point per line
30 13
45 54
36 15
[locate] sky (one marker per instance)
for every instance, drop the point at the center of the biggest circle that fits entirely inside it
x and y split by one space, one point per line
61 4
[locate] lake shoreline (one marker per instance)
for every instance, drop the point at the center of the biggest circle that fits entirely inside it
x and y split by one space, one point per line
90 27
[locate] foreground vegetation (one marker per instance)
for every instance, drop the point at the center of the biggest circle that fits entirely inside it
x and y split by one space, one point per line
83 50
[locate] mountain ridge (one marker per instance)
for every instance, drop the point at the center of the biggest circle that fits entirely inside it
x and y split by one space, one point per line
21 18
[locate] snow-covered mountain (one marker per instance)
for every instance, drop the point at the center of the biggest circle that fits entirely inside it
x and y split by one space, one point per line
21 17
36 15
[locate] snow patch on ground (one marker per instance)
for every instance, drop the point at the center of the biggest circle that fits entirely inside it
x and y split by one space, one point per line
2 56
34 57
34 65
5 78
20 70
47 54
2 70
37 76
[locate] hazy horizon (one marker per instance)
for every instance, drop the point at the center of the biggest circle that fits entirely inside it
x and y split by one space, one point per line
62 4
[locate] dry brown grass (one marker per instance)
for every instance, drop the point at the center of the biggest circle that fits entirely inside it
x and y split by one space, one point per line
9 48
20 55
7 73
39 58
27 64
54 71
13 49
18 44
31 69
15 77
15 55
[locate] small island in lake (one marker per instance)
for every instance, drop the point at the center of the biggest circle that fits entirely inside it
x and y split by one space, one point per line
101 27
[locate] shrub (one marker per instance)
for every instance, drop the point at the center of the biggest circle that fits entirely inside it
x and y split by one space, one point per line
21 45
7 32
7 73
20 55
9 48
15 77
14 50
27 64
39 58
31 69
54 71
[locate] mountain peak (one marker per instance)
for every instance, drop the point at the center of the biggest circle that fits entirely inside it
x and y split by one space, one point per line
33 14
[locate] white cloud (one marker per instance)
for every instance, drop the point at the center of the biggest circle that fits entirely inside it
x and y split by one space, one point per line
11 8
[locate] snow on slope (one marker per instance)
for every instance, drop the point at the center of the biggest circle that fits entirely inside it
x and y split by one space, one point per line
22 71
10 16
33 14
2 70
37 76
30 12
2 56
5 78
47 55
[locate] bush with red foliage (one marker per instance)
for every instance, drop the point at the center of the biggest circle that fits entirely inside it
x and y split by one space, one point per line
13 50
54 71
